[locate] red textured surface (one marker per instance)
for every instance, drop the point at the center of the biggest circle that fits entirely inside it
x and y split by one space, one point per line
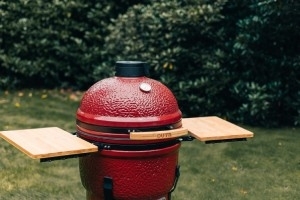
119 102
136 175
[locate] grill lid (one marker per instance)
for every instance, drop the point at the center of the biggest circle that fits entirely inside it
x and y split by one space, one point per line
129 100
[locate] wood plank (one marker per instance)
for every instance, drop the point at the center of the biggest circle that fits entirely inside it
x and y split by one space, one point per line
213 128
47 142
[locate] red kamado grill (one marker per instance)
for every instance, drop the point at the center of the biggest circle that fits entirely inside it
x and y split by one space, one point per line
109 111
129 131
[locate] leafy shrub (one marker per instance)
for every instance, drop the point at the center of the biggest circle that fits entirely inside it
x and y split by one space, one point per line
43 41
53 43
218 57
265 63
235 59
181 42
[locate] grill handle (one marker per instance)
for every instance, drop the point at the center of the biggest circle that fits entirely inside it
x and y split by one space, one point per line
158 135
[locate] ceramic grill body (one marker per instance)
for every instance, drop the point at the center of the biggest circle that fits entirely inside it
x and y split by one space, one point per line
108 112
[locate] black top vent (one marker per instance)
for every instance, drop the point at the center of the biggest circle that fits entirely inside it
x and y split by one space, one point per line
131 69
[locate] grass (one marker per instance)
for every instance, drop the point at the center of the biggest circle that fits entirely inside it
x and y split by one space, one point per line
22 177
265 167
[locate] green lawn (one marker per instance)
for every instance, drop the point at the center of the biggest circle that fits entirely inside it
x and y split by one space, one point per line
265 167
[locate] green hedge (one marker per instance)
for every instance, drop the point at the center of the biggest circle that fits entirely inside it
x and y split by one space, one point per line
238 60
235 59
46 43
264 58
53 43
183 44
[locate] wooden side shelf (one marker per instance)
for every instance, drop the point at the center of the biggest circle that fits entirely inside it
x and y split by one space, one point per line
55 143
51 142
214 129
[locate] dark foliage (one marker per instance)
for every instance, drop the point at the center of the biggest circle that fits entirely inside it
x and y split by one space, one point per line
236 59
